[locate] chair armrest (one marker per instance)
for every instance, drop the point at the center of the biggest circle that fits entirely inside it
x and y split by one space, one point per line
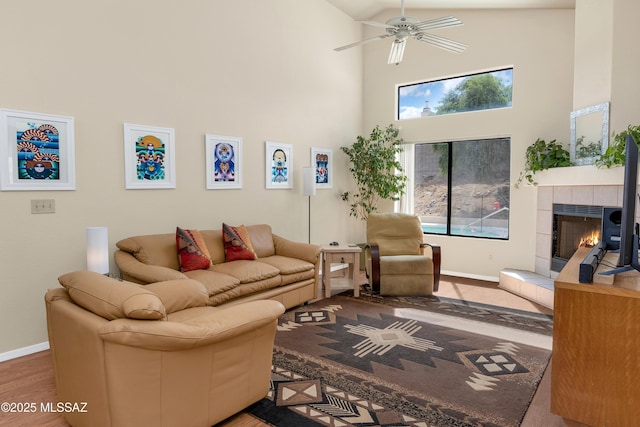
435 256
291 249
220 325
138 272
374 250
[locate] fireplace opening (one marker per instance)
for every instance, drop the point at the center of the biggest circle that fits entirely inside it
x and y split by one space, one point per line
573 226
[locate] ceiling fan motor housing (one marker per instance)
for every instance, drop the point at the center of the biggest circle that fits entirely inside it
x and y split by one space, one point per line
403 26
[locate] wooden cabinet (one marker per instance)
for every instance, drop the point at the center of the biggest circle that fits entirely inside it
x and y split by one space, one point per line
596 348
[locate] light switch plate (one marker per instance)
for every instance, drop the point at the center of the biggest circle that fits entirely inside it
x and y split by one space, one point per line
43 206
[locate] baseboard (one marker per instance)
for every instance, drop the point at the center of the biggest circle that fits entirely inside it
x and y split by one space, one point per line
24 351
470 276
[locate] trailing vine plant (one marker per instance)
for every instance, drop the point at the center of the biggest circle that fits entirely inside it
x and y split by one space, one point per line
376 170
542 155
614 155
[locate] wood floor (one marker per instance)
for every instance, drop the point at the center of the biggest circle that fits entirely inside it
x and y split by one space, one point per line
30 378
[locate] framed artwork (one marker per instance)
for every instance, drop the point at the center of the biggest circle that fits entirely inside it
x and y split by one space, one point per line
37 150
223 161
149 157
322 161
279 162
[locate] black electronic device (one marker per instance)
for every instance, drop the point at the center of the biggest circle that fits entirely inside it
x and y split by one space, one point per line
628 259
611 220
627 226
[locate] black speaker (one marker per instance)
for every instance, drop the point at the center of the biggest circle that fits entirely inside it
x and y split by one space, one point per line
611 219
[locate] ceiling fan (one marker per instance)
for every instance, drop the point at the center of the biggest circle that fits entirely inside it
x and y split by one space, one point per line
403 27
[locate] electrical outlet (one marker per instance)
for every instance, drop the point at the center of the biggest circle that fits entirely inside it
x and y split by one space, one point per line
43 206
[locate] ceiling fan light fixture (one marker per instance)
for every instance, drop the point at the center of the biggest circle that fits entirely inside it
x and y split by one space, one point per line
397 51
401 27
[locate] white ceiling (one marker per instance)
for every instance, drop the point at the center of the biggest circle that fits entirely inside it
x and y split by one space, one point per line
365 9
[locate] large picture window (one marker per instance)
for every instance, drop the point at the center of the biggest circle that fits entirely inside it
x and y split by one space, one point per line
461 188
481 91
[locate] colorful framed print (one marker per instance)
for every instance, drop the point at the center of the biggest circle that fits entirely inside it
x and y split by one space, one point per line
149 157
223 161
322 161
38 150
279 162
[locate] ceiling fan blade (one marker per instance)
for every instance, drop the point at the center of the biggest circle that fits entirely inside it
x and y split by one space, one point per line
397 51
446 21
376 24
365 41
441 42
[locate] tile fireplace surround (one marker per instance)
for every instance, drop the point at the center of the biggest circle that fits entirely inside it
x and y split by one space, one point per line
598 195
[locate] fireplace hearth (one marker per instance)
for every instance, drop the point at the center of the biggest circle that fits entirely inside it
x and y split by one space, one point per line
573 226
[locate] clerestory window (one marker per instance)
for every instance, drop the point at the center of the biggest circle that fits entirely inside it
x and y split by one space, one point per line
472 92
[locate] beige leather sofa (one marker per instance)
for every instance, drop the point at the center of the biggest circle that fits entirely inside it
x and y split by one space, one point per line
156 355
284 270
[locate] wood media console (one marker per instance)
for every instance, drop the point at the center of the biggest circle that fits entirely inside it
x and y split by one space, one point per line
596 347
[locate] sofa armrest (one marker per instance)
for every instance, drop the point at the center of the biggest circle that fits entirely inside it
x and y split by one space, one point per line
139 272
219 325
291 249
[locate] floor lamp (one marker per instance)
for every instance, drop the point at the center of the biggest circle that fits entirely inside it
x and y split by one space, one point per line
309 177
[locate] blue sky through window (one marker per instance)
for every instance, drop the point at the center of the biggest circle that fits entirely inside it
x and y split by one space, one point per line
412 98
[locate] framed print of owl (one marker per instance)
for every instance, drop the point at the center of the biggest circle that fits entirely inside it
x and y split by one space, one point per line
223 161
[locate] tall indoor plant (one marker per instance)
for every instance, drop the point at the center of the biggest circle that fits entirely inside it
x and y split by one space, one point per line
376 170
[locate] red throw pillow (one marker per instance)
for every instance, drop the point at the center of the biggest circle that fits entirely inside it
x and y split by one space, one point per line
237 244
192 251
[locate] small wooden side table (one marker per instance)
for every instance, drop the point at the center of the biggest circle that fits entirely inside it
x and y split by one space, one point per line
341 254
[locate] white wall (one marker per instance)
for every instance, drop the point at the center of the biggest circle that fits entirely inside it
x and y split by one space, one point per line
538 44
258 69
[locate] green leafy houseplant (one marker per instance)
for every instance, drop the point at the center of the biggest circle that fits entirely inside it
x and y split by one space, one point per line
375 167
543 155
614 154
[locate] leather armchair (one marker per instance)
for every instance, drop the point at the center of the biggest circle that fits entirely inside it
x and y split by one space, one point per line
156 355
396 260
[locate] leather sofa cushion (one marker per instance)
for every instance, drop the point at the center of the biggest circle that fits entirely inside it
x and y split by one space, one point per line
247 271
213 240
213 281
179 294
287 265
262 240
153 249
110 298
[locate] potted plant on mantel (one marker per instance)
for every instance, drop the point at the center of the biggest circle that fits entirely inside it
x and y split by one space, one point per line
614 154
375 168
542 155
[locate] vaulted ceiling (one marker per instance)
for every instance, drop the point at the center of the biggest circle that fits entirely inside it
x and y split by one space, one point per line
365 9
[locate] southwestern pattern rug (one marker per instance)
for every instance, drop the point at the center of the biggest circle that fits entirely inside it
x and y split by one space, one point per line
347 361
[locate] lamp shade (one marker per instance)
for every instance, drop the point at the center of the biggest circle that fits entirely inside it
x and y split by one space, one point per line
98 249
309 178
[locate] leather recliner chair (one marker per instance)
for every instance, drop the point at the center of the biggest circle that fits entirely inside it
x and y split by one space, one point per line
156 355
396 260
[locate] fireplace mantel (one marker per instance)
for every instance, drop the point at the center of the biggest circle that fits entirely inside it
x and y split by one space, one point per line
580 175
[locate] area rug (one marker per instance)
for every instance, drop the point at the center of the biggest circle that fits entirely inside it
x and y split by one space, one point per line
347 361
